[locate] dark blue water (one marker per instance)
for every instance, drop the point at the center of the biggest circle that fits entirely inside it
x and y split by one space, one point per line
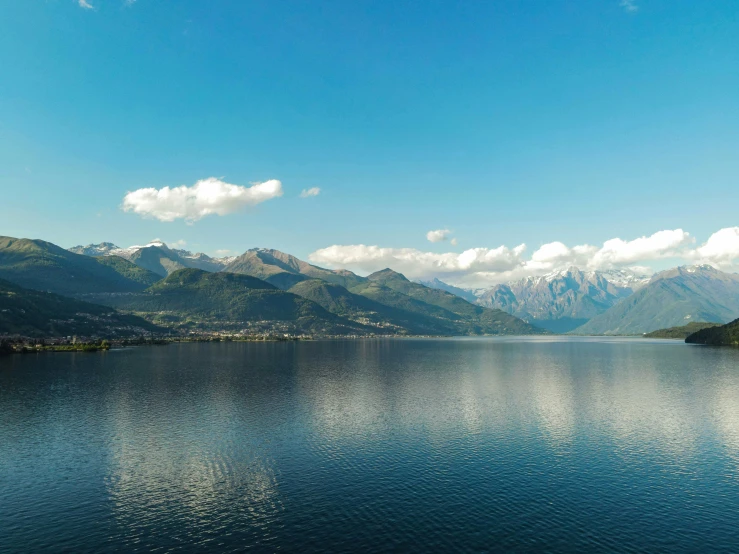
556 445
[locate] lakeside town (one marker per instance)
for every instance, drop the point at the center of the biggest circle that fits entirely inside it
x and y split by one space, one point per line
79 343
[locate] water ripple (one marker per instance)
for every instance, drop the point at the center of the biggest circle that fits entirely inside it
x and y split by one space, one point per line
374 446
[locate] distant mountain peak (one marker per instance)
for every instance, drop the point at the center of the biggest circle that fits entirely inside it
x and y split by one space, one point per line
622 277
562 273
436 283
155 256
686 270
386 273
569 296
700 267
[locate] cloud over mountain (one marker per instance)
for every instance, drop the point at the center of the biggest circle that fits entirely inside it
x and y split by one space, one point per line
478 266
721 248
416 263
663 244
206 197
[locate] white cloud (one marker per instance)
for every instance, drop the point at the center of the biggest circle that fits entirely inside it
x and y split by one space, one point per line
206 197
453 242
416 263
484 266
315 191
629 5
179 244
721 248
664 244
438 235
614 253
84 4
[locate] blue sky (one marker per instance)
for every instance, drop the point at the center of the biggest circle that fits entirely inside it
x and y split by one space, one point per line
506 122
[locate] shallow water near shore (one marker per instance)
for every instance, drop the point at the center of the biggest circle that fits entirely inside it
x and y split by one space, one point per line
553 443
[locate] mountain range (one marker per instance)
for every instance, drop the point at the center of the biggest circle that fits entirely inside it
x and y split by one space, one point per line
260 291
615 302
560 301
415 308
156 256
265 289
41 265
194 299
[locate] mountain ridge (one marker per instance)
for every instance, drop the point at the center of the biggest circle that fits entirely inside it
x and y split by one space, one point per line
672 298
559 301
155 256
193 298
41 265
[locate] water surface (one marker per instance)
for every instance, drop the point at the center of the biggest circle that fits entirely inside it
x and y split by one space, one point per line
556 444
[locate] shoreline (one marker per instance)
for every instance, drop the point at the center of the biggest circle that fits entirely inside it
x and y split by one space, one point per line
36 346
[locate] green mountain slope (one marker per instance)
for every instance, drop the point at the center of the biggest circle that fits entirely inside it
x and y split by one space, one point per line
680 332
157 260
725 335
284 270
363 309
671 299
418 309
129 270
465 317
41 265
226 301
42 314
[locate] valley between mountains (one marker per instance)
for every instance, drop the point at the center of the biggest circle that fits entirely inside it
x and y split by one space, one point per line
153 288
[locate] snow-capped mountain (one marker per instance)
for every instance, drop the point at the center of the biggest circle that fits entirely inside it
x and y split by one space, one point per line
625 278
561 300
156 256
102 249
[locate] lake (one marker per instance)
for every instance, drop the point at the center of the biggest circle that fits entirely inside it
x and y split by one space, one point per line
466 445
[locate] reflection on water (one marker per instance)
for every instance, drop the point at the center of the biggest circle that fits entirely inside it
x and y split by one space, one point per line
466 444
